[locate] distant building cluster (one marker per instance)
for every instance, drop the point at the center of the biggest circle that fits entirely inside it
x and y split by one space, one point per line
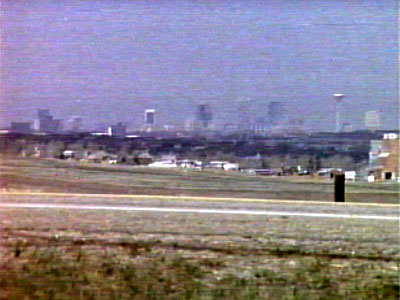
274 121
74 124
245 115
276 112
204 117
118 130
372 120
21 127
46 123
384 157
203 121
357 154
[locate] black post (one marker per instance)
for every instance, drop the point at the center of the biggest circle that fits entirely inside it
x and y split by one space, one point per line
339 188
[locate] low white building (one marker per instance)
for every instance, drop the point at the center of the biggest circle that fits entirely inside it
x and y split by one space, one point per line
350 175
328 171
190 164
69 154
163 164
225 165
230 167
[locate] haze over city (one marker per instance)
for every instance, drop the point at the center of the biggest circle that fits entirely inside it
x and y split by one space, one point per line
108 61
199 149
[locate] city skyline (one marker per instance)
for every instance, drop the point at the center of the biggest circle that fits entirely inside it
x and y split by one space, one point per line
109 61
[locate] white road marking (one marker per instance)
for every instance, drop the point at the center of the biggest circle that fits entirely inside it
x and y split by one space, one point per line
196 210
196 198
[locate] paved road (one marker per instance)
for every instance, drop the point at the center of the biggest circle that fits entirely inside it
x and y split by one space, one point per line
206 205
199 210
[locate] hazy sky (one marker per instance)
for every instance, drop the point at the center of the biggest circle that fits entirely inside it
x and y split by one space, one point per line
109 60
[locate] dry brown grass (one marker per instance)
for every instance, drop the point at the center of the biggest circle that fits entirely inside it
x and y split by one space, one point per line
56 176
121 255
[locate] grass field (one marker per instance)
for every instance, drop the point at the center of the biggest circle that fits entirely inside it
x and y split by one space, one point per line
81 254
120 255
58 176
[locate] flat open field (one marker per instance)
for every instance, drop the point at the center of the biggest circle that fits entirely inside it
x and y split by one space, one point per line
59 176
108 254
71 246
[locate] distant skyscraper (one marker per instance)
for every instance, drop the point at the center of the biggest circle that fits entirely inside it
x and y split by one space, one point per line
149 117
261 126
245 118
46 123
295 125
347 127
74 124
338 100
190 124
21 127
204 116
149 120
372 120
118 130
44 114
276 112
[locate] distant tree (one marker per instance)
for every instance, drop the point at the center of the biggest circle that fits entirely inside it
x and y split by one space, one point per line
31 149
124 149
93 146
76 146
55 149
317 163
339 161
314 163
283 147
122 157
264 164
274 161
17 147
224 156
250 164
311 165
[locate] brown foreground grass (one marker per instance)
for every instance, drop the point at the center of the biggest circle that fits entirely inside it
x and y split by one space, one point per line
116 255
69 270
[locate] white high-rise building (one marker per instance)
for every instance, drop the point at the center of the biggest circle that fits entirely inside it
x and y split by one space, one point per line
149 119
372 120
338 100
149 115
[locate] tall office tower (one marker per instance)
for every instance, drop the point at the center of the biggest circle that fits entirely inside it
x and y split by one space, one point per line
372 120
276 112
245 115
204 116
149 115
44 114
149 120
338 104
